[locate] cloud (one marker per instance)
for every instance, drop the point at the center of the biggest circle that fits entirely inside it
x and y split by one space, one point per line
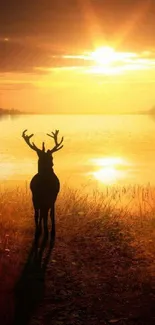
27 64
16 86
26 55
103 61
20 56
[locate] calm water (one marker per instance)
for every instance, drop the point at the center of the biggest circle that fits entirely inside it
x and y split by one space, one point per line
97 149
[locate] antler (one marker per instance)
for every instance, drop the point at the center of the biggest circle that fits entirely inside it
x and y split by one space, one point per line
27 140
57 146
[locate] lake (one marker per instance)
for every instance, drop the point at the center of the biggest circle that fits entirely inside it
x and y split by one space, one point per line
98 149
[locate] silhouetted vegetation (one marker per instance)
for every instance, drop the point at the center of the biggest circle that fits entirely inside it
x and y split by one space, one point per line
101 270
149 112
11 111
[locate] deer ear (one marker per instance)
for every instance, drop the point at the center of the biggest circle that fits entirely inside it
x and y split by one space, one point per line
43 146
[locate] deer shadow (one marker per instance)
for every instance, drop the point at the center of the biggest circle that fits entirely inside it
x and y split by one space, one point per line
29 290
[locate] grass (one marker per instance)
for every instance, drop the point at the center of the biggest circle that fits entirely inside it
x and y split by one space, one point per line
102 268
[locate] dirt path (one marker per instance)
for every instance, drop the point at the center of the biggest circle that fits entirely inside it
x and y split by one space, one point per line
88 281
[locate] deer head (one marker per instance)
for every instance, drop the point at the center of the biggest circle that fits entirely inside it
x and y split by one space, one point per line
45 162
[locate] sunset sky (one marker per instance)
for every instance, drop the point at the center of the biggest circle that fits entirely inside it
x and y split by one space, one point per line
77 56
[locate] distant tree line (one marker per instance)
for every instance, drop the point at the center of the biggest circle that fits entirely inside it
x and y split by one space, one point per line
11 111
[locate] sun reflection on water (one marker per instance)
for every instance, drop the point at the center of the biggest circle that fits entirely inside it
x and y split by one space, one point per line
112 169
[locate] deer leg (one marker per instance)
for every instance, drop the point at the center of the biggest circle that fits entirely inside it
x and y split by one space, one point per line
52 215
37 217
40 222
44 215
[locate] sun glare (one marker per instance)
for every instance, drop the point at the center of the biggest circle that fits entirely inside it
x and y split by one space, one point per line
107 55
111 171
107 175
108 61
104 55
108 161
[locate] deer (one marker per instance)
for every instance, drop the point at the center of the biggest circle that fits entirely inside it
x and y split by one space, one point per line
45 185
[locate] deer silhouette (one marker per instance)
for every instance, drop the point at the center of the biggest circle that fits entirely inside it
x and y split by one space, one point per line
45 184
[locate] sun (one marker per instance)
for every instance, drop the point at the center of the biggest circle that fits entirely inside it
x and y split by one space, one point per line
111 169
108 61
104 55
107 175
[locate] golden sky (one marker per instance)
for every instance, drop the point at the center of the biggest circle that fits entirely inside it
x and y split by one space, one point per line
77 56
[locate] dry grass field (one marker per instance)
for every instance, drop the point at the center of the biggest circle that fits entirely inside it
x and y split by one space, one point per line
101 269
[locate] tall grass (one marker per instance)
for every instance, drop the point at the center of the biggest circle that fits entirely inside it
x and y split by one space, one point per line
122 217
